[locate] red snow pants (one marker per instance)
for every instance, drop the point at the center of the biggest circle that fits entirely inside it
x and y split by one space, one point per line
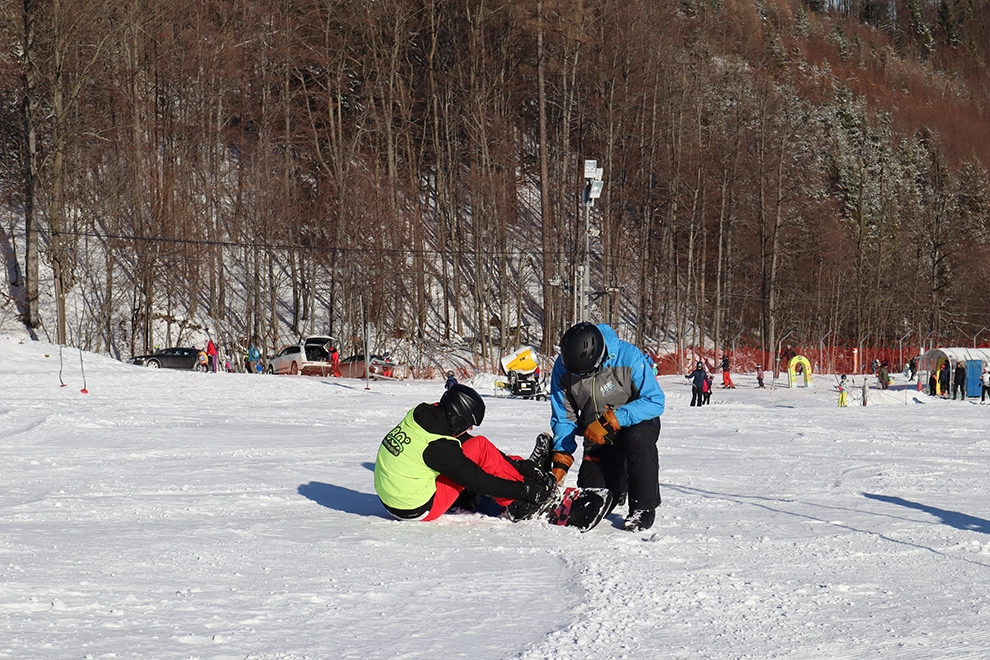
480 450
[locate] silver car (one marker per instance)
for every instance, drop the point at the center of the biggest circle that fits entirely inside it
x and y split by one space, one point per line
310 357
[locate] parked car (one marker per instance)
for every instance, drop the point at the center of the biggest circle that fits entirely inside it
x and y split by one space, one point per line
353 367
169 358
310 357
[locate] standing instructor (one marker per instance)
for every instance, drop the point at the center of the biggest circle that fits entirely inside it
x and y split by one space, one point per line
604 389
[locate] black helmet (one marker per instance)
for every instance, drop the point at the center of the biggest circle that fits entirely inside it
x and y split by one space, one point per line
464 408
582 349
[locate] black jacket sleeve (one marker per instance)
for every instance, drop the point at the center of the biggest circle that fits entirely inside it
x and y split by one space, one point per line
447 458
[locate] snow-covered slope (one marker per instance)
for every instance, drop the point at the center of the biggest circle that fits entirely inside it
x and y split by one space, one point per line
183 515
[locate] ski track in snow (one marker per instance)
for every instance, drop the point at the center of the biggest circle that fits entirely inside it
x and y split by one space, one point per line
181 515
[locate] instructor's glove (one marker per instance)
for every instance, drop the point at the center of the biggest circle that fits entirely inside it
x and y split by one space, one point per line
603 429
561 463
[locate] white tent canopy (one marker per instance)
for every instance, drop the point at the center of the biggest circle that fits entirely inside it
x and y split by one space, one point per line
933 358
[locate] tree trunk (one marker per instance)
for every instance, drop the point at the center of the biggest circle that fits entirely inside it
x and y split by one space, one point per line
29 104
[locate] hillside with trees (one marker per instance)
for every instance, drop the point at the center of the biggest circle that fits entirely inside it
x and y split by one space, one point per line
270 169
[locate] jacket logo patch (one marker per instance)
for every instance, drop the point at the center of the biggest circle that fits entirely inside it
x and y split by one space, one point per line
607 387
396 441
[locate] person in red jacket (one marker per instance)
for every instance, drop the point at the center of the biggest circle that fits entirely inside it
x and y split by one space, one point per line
335 361
211 354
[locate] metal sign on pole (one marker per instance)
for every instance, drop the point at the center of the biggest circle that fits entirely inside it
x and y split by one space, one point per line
593 185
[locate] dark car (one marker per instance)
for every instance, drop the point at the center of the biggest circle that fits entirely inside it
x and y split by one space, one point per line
170 358
353 367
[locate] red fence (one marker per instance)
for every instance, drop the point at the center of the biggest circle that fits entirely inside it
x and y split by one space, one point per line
834 360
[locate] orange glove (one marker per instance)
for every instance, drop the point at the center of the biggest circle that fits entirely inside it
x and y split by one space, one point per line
603 429
561 464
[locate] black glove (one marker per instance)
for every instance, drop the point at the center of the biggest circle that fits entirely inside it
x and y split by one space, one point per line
526 468
537 489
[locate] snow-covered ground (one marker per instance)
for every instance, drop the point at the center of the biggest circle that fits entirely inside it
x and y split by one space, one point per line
182 515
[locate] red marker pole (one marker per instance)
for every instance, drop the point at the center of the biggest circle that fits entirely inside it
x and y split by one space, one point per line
83 368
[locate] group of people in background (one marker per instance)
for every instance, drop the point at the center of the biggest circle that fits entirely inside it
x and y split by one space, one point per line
947 382
702 380
701 385
952 382
210 357
955 381
213 359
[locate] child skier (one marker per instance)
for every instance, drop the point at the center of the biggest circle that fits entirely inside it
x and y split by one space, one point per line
843 400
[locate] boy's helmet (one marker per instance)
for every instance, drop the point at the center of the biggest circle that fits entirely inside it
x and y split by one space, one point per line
463 407
582 348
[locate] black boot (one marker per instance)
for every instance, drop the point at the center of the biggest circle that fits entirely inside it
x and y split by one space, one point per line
542 452
521 509
639 520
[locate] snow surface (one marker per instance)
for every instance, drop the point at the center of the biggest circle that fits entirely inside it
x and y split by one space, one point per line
181 515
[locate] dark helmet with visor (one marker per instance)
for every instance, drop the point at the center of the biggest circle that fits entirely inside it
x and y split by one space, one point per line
582 349
463 407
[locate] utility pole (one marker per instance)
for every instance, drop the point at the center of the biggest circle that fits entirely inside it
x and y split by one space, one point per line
593 185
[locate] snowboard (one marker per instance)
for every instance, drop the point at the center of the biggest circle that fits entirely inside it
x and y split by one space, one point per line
583 508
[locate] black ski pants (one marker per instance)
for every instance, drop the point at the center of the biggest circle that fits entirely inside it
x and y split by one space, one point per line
697 396
633 460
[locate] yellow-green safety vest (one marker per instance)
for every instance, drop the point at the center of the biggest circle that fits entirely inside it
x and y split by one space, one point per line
403 480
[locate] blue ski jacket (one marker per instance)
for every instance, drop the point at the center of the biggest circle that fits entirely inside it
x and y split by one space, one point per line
625 382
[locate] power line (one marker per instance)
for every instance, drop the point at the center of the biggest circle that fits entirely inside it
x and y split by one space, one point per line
826 304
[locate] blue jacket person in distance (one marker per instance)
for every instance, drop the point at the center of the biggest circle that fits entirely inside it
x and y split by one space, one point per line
603 389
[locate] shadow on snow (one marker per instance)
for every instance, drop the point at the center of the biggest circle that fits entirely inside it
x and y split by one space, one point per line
343 499
950 518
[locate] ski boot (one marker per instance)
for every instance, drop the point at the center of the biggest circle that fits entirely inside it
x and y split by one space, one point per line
521 509
542 452
639 520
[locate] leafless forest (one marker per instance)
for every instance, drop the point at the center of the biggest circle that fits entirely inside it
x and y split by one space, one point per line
271 169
